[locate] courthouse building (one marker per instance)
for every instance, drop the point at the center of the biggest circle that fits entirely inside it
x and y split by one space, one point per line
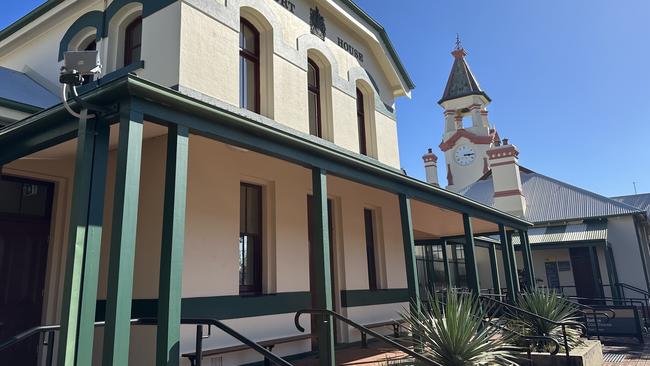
239 162
583 244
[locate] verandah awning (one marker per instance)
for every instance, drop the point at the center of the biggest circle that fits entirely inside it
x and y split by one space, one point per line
563 235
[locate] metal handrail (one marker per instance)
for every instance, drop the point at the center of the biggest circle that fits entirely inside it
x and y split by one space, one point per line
154 321
563 325
362 329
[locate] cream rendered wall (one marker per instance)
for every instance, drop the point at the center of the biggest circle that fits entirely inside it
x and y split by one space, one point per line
209 64
622 236
484 267
209 56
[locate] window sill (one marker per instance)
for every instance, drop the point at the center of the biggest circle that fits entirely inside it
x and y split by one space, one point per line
128 69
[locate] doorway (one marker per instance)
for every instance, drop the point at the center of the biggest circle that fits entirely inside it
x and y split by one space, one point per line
586 274
312 277
25 215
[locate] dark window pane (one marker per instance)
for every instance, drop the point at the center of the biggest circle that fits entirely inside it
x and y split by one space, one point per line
248 38
312 75
370 248
314 123
132 41
248 87
250 242
361 123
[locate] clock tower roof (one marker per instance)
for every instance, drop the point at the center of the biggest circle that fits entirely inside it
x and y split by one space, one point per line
461 80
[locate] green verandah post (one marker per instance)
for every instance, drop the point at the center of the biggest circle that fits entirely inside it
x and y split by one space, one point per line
470 256
512 293
494 266
123 236
84 246
445 259
527 258
321 261
513 263
409 252
171 254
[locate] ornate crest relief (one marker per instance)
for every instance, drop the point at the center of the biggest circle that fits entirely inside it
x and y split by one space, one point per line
317 23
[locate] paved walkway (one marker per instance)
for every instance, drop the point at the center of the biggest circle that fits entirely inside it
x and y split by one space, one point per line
375 355
626 352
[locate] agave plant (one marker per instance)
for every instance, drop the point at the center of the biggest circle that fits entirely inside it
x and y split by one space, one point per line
548 305
452 333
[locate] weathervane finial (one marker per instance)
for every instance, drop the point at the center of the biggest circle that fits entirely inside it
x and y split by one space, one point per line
459 51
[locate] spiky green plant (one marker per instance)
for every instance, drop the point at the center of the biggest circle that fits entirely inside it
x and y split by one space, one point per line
452 333
549 305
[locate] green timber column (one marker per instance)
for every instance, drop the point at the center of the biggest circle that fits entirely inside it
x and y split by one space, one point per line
431 275
171 256
470 256
123 236
84 244
507 263
445 259
611 272
530 259
496 281
526 256
513 263
409 252
321 261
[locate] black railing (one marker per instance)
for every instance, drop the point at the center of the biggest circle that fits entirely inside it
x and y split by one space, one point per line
500 306
52 329
363 330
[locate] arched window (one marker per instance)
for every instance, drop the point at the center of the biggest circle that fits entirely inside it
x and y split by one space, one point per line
133 41
249 67
313 90
361 123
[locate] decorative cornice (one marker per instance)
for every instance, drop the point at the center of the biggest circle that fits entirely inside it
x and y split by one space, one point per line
504 151
474 138
430 157
509 162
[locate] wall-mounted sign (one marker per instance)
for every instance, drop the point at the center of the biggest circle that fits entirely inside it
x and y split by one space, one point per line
317 23
287 4
625 323
564 266
351 50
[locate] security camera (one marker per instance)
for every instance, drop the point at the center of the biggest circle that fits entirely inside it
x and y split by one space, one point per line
77 64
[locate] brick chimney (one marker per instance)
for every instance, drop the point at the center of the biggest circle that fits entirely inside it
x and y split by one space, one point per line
506 178
431 167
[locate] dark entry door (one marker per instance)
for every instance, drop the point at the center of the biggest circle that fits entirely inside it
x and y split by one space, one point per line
585 273
25 208
314 300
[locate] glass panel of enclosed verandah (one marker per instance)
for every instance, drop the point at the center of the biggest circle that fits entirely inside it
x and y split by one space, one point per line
147 223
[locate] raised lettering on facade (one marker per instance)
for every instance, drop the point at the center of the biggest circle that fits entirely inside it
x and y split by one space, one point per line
351 50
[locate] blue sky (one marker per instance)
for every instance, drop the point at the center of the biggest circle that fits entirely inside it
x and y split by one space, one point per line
569 80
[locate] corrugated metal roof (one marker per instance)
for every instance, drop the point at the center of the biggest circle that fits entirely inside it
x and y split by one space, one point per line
565 233
640 201
18 87
549 200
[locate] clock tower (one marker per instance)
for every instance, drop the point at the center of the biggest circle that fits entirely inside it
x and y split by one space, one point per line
468 135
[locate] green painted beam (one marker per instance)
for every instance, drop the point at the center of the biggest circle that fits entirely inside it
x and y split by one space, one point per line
168 106
353 298
470 256
494 266
409 251
527 260
507 263
171 256
445 260
123 237
80 281
320 254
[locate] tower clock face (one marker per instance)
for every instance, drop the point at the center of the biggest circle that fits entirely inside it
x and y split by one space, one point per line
464 155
